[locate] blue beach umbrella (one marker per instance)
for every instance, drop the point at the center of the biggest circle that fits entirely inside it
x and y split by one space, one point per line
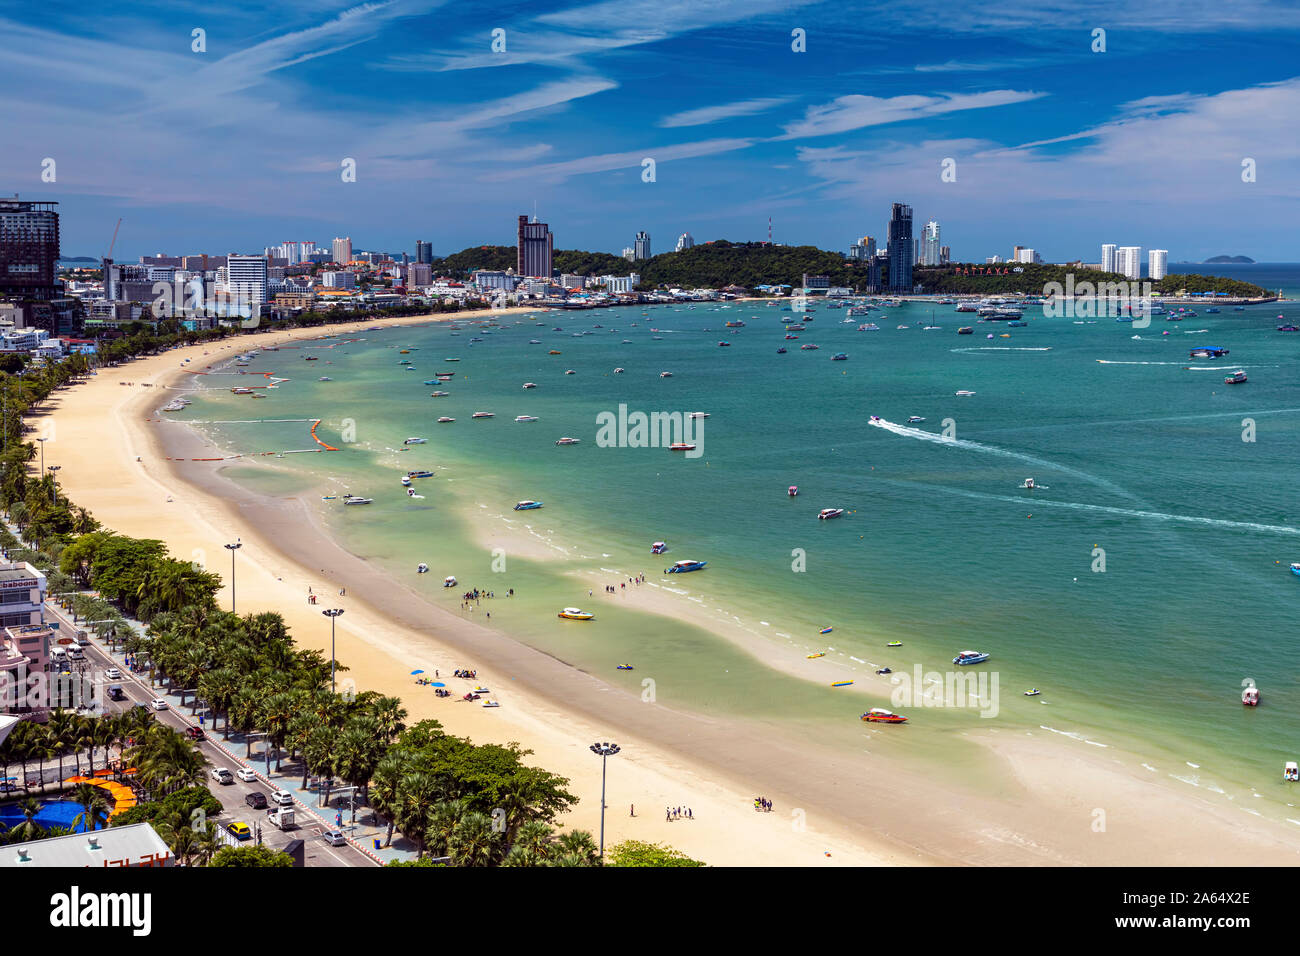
417 672
438 683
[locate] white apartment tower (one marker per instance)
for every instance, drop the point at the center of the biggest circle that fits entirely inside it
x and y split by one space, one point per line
1108 257
930 244
246 277
1157 264
342 250
685 241
1128 261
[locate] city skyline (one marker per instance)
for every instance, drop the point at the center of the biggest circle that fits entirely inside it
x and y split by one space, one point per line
818 140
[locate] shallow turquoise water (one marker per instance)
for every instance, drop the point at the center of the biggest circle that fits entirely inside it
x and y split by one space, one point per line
941 548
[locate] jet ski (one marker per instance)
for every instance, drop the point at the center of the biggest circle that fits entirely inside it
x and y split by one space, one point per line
624 667
1033 693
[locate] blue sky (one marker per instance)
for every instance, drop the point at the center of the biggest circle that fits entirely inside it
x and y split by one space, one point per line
1056 147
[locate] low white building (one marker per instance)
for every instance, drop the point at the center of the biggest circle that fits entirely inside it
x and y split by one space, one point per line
135 845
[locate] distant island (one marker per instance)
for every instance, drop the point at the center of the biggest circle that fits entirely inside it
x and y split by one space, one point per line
78 259
1235 260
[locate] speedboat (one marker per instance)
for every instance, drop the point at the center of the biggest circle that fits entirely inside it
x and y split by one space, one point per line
530 384
792 491
1291 771
808 347
1029 484
781 350
1250 696
325 378
970 657
913 419
1208 351
618 371
415 441
792 336
419 473
872 327
1295 569
966 330
665 374
681 567
1288 328
1033 692
963 391
698 415
356 500
525 418
421 568
568 441
827 513
575 614
449 581
1236 378
879 715
839 356
439 394
624 667
406 481
444 420
534 341
659 547
483 415
569 371
527 505
681 446
724 345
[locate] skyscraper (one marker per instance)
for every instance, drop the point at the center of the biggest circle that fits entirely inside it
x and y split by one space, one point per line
291 250
685 241
641 246
29 249
423 252
1108 257
342 250
900 248
1128 260
246 278
536 245
930 244
1157 264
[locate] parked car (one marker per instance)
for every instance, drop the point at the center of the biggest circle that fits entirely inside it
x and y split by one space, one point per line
196 733
256 800
222 775
113 673
282 799
239 830
246 774
334 837
158 704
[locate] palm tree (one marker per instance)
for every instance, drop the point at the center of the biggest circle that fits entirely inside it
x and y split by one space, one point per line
62 730
29 829
443 818
218 688
207 844
473 841
386 789
94 803
278 712
390 714
184 844
578 849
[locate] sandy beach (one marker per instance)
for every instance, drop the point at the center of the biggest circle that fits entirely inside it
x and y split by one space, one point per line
831 808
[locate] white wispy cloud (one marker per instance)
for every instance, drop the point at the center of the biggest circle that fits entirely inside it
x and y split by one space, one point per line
856 111
712 114
555 172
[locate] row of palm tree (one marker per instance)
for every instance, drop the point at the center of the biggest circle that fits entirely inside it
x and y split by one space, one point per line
70 736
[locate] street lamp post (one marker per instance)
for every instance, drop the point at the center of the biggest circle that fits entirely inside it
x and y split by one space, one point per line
232 548
43 441
604 752
332 613
54 479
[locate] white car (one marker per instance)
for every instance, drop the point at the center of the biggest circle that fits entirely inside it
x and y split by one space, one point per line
246 775
281 798
113 674
158 704
222 775
334 837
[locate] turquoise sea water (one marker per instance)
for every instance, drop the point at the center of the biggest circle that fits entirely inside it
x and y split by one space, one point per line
1137 450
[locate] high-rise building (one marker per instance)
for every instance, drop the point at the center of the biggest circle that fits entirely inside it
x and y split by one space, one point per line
536 246
342 250
629 253
945 255
901 249
1128 261
338 280
685 241
1157 264
246 277
641 246
1024 254
929 244
423 252
29 249
1108 257
291 251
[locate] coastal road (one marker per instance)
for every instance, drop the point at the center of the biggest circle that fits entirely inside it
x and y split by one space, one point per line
316 852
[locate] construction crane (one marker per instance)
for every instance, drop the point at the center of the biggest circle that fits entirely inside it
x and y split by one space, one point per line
114 242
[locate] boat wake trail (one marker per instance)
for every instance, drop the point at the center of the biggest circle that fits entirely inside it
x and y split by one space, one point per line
1045 503
1001 348
917 433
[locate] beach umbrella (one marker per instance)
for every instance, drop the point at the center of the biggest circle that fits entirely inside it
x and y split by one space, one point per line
417 672
439 683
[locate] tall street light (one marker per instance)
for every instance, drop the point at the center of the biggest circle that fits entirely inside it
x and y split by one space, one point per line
43 441
232 548
604 752
332 613
54 481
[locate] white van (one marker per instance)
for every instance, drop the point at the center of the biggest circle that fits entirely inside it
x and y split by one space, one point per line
75 653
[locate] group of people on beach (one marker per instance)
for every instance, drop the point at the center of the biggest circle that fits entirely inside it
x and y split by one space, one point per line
611 589
469 675
679 813
763 804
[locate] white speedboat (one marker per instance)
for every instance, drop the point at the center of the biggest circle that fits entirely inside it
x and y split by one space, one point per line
568 441
530 384
444 420
525 418
356 500
698 415
914 419
483 415
964 391
828 513
415 441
